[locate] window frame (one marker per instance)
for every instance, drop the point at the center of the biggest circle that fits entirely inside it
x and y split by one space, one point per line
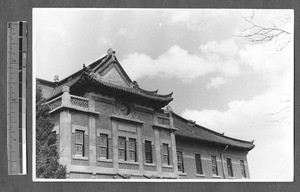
79 143
180 160
148 152
199 160
214 164
165 153
122 149
104 146
229 167
132 149
243 169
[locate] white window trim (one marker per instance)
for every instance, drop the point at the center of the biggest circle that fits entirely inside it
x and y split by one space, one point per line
79 157
103 131
164 141
200 175
80 128
150 164
104 160
148 139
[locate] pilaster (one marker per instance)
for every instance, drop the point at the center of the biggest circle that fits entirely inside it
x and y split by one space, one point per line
92 134
140 148
174 152
65 131
115 146
157 151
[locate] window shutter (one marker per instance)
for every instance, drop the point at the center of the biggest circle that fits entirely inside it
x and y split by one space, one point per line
127 151
165 154
86 145
243 168
180 161
199 169
214 165
135 151
162 154
122 148
153 154
170 156
110 148
148 152
144 152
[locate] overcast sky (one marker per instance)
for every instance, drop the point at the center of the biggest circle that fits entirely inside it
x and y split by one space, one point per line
218 79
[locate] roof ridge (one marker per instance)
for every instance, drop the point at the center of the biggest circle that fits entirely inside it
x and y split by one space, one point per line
155 93
45 81
211 131
80 70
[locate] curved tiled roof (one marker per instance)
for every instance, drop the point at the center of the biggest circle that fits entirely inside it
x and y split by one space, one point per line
133 90
86 75
194 131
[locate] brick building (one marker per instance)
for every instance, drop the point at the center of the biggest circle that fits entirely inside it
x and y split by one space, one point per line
109 127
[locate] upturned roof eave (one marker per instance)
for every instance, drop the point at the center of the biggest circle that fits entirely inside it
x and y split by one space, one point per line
237 142
90 79
248 148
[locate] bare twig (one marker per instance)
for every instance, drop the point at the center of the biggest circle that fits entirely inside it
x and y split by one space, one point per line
258 34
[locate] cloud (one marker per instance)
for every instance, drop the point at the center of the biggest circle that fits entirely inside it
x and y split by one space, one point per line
226 48
195 19
177 62
267 118
265 58
276 67
257 119
215 82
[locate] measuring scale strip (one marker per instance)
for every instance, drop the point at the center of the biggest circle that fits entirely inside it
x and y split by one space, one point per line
16 105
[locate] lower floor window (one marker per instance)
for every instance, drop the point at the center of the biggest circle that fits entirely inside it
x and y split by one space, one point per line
243 168
122 148
214 165
79 142
166 158
148 152
131 150
104 146
180 161
229 167
127 152
198 162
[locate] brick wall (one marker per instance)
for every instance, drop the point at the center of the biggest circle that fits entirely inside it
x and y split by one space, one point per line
189 151
103 122
79 118
147 127
128 166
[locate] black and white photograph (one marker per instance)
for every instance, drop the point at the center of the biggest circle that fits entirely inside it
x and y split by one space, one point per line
163 95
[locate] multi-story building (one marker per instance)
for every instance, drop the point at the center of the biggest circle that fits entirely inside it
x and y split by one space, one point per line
109 127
